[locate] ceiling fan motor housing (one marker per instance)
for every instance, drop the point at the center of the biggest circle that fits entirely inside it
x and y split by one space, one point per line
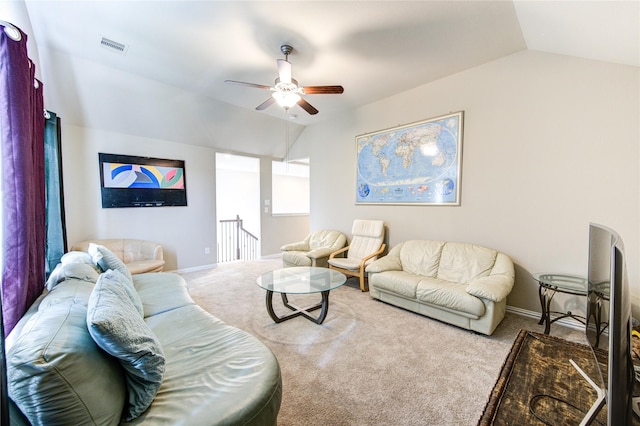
286 49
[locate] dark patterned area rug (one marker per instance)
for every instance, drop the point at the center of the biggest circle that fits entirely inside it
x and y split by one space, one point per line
538 385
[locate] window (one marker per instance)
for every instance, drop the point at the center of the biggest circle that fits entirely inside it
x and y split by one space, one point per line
290 187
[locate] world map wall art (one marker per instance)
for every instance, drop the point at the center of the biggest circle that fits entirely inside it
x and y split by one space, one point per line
413 164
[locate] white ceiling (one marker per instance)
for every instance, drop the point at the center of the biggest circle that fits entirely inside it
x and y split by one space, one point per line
170 83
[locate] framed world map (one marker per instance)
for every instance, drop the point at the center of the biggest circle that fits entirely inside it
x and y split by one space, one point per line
413 164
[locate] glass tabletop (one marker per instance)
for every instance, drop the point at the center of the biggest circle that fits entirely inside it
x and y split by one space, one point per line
301 280
563 282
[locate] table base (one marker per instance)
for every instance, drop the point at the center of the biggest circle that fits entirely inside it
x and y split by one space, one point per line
323 305
594 309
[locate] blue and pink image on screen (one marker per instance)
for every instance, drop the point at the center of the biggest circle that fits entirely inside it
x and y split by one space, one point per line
118 175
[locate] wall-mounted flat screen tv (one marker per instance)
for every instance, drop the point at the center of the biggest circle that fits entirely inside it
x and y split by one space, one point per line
130 181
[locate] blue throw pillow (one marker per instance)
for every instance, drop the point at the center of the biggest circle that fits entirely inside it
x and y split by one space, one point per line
116 325
79 271
106 259
75 264
77 257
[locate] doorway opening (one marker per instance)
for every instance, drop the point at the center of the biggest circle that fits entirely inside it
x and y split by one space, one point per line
237 207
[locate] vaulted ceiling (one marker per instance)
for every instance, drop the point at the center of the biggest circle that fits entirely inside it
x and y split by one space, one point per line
169 81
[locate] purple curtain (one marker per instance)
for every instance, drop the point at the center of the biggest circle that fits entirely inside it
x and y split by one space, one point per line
23 193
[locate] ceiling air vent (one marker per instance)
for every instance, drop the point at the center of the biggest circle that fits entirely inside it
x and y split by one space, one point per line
114 46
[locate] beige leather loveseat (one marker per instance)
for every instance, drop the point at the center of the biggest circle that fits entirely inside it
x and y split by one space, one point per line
139 256
461 284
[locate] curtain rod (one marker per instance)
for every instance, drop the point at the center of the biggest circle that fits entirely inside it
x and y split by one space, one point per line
16 35
11 30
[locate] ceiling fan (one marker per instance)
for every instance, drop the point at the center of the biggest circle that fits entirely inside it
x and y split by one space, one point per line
286 91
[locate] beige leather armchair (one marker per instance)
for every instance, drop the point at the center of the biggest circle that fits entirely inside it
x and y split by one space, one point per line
314 250
139 256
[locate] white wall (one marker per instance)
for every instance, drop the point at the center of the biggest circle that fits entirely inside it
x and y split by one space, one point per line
277 230
15 13
551 143
238 190
183 231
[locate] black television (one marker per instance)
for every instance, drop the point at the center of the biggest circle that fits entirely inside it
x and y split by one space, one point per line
132 181
609 325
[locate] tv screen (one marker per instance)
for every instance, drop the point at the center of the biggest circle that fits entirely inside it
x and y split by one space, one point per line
130 181
609 320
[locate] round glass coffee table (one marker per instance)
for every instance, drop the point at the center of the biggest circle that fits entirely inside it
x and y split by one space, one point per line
300 280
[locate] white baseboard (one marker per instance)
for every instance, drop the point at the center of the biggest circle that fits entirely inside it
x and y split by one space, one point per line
272 256
194 269
566 322
215 265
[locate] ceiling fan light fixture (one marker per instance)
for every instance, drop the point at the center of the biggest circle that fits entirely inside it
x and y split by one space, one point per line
286 99
286 92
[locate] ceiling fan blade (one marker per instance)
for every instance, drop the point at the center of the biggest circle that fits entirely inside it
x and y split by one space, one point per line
266 104
284 71
307 106
242 83
321 90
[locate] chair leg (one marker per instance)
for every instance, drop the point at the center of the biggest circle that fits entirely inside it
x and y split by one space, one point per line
362 287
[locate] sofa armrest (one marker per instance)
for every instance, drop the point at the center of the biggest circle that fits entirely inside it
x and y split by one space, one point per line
390 262
144 266
158 252
386 263
493 287
320 252
299 246
499 284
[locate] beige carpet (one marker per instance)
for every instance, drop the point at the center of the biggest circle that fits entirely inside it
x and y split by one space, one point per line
369 363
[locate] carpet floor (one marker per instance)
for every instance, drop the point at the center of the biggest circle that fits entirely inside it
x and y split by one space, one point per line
369 363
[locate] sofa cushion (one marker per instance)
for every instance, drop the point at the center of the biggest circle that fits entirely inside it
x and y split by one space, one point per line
400 282
215 373
73 291
296 258
449 295
117 327
52 357
348 263
368 236
421 257
327 238
161 292
133 253
134 250
106 259
462 263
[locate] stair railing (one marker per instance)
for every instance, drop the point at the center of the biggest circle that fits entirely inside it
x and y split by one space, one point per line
235 242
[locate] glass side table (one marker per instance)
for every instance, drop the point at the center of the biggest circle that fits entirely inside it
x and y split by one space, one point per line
550 284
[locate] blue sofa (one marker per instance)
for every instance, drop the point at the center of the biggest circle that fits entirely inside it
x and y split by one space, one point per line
213 373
